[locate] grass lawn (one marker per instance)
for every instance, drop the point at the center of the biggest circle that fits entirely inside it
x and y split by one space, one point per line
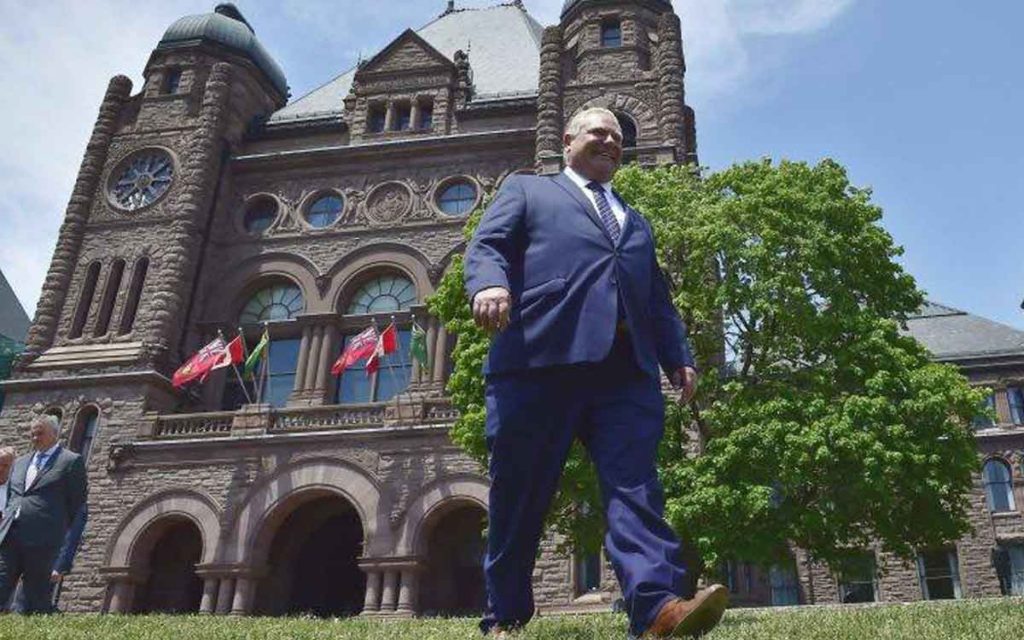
973 619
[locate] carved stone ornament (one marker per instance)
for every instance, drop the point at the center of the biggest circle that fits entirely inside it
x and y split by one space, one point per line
141 179
388 203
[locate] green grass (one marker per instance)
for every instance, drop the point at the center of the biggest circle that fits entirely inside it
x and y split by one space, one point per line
974 620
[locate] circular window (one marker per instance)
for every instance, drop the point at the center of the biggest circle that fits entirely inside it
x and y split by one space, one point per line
457 198
141 179
324 211
260 214
277 302
383 294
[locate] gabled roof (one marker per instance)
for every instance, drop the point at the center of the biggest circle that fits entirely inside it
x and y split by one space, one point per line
14 321
408 39
952 334
503 43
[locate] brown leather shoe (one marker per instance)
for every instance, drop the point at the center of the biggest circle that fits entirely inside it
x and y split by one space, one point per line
690 618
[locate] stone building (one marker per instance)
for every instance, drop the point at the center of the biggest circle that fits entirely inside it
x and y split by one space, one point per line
206 202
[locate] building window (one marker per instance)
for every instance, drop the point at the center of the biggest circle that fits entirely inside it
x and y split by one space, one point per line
857 582
628 130
280 379
325 211
277 302
1015 397
85 300
784 586
260 214
458 198
611 33
426 115
1009 564
587 573
940 575
377 118
998 481
383 294
403 116
131 306
173 81
984 421
85 432
109 298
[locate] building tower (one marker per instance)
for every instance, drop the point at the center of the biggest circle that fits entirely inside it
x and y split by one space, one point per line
624 56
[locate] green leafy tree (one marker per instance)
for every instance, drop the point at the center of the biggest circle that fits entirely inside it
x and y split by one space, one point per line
816 422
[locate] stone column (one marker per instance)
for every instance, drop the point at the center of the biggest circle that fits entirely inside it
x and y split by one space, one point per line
390 592
670 69
300 366
209 601
122 595
549 103
315 345
432 323
226 596
242 604
440 354
414 115
69 240
407 592
389 116
323 367
371 604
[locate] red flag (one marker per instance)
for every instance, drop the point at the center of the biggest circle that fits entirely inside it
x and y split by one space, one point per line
357 348
386 343
232 354
199 365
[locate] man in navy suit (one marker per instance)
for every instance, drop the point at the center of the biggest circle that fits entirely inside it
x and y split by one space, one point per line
45 494
564 273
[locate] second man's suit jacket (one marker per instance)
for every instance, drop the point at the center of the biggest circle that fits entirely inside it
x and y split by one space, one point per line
543 241
50 505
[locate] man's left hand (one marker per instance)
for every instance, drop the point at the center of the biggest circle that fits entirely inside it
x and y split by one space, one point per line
56 576
685 380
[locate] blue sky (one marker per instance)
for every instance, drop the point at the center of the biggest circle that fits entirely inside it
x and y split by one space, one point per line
922 101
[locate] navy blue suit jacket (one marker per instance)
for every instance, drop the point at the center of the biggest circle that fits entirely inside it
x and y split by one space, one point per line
542 239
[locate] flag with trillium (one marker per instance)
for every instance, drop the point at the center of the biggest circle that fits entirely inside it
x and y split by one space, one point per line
360 346
201 364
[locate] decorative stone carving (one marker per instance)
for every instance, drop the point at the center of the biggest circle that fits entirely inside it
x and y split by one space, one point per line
389 203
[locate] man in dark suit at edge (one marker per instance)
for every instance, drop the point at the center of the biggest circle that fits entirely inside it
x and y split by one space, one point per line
46 492
564 273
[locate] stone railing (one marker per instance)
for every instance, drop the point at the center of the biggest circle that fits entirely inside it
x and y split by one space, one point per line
194 425
360 416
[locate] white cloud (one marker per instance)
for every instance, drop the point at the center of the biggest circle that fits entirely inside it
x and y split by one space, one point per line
59 55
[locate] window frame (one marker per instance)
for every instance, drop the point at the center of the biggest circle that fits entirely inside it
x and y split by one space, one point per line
611 33
953 560
988 484
847 584
452 183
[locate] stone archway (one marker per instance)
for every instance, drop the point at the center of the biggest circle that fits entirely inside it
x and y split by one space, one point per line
167 556
452 583
314 542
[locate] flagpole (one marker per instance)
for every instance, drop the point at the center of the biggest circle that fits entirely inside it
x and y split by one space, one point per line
394 376
245 356
266 363
234 367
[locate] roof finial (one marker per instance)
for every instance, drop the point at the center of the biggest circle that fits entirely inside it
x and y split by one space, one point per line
450 9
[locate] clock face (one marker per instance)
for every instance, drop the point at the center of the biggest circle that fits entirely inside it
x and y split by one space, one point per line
142 179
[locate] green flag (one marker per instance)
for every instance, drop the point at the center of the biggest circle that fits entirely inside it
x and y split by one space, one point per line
418 344
256 354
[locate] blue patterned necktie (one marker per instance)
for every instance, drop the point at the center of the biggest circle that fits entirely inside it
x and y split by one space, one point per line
604 210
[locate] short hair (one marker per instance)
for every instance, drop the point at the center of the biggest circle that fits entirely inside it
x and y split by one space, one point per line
576 123
49 421
7 452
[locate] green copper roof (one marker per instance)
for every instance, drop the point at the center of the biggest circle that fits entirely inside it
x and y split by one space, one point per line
228 27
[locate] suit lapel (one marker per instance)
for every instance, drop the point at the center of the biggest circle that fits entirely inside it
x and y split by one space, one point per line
627 227
50 462
574 192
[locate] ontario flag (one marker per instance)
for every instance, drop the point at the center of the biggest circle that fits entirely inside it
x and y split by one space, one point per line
359 347
387 343
200 365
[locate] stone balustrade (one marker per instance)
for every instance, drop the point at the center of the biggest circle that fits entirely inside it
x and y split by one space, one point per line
194 425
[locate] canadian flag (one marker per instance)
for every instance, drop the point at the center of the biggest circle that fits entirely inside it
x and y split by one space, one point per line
387 343
233 354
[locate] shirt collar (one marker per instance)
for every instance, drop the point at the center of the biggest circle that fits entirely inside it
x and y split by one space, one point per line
49 452
582 182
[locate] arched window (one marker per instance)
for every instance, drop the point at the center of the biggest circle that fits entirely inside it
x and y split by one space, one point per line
131 306
458 198
325 211
109 298
611 33
85 432
391 294
260 214
628 130
85 300
277 302
997 478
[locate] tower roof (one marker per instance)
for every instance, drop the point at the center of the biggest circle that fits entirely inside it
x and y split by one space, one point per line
14 321
225 26
569 5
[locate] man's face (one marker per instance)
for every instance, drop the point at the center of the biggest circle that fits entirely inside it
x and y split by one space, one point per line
6 462
596 152
42 437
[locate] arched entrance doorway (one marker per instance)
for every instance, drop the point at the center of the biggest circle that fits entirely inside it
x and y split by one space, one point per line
170 551
312 560
453 581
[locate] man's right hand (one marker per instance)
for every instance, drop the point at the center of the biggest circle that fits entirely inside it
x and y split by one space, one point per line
491 307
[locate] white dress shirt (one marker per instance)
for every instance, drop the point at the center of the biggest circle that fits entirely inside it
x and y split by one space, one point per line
39 460
617 209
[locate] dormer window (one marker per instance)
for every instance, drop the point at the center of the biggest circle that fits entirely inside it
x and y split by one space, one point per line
376 118
425 121
611 33
172 81
403 116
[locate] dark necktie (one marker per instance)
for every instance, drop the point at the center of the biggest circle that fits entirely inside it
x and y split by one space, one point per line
604 210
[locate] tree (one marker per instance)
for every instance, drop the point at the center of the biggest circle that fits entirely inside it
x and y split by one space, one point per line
816 422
